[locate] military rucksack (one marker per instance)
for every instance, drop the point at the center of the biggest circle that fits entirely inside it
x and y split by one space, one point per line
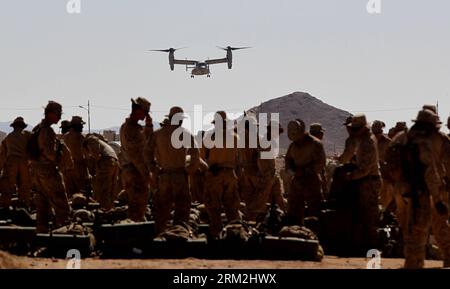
33 144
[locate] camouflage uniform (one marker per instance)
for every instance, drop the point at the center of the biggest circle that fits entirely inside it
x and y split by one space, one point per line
135 174
106 171
169 163
367 178
383 142
422 193
47 179
221 183
78 177
269 188
14 161
306 159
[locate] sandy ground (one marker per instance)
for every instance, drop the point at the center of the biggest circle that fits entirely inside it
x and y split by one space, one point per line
329 262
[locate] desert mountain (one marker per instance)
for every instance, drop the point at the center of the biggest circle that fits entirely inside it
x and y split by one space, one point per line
310 109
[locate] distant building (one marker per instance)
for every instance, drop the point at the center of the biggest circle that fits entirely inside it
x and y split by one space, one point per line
110 135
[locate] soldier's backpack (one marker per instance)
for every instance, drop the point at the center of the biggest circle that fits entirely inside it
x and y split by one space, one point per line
33 144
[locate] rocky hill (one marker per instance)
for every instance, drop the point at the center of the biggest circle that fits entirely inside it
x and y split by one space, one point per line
309 109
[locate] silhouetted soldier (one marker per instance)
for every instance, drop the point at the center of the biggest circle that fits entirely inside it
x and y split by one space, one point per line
366 177
419 160
167 161
14 162
45 151
135 173
106 170
305 159
383 142
79 176
221 187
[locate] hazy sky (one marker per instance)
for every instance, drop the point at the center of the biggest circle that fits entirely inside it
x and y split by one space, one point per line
387 65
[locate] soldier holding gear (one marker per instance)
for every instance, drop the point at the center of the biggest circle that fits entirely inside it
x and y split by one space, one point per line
305 159
46 153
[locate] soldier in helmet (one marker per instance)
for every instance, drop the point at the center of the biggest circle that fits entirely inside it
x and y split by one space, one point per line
79 175
419 161
65 127
221 184
14 162
167 161
269 183
383 142
399 127
366 177
135 173
316 130
305 160
248 168
349 151
45 152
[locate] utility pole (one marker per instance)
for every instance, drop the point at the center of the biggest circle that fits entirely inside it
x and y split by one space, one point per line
88 109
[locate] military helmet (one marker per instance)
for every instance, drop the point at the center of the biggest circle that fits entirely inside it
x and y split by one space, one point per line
295 129
316 128
19 122
176 110
427 116
377 126
431 107
358 121
77 120
65 123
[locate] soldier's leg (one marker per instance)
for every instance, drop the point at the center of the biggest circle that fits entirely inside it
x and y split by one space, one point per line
137 192
296 203
182 198
441 231
258 206
24 187
313 196
43 212
8 182
163 202
55 191
213 203
416 232
104 183
231 200
277 195
368 208
70 182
